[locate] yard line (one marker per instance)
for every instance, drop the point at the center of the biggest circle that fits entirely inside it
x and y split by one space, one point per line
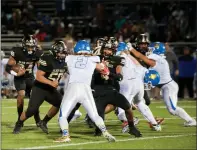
98 142
183 106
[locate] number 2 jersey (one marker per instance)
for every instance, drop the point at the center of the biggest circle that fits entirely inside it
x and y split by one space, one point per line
26 60
81 68
53 68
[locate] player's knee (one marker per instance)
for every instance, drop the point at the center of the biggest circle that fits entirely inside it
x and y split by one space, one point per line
172 111
30 112
21 94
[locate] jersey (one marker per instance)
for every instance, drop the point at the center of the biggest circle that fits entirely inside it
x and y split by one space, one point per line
81 68
161 67
129 70
25 60
113 62
54 69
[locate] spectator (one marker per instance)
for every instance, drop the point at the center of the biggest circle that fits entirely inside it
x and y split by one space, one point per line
187 68
172 61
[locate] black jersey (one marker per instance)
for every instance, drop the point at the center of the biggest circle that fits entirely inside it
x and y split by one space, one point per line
25 60
113 62
54 69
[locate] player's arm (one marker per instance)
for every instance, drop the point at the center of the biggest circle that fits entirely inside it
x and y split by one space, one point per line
10 64
41 78
40 74
137 54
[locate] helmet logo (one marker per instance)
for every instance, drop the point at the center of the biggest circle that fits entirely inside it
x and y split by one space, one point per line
152 76
156 45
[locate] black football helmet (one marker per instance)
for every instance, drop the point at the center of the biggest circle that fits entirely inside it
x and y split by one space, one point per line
29 44
109 43
59 50
141 43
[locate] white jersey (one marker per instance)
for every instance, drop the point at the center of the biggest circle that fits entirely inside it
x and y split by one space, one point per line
161 67
129 68
81 68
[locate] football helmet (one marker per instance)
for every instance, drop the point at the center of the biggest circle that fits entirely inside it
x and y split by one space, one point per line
151 79
82 46
142 41
29 43
122 46
157 48
59 50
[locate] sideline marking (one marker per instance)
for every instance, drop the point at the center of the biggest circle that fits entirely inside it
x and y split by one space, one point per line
98 142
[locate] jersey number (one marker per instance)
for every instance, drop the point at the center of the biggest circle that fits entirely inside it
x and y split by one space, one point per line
55 76
81 62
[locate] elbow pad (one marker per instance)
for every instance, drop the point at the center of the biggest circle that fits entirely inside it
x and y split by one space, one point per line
8 68
118 76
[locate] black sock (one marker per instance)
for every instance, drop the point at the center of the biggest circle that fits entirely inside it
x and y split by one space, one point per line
47 118
37 117
131 124
20 110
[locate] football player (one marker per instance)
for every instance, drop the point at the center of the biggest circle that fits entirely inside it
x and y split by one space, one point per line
51 68
132 87
141 44
156 60
106 87
81 67
26 57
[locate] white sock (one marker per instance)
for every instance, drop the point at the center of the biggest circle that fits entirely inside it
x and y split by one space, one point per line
182 114
146 112
63 125
100 123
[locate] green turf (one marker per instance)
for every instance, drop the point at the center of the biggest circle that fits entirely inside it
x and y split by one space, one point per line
172 136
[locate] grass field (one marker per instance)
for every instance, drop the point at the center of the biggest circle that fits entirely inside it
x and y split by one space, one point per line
173 135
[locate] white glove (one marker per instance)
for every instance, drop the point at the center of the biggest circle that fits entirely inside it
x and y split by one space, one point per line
130 47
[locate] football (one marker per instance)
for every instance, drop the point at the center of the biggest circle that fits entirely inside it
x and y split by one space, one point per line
16 68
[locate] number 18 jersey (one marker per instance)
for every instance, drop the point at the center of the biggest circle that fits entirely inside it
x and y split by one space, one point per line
81 68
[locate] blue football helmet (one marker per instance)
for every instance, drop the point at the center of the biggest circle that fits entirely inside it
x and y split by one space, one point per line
82 46
151 79
157 48
122 46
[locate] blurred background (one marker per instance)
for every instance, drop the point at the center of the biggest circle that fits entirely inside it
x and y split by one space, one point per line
172 22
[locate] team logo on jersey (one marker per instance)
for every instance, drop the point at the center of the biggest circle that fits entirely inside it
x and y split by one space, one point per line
152 76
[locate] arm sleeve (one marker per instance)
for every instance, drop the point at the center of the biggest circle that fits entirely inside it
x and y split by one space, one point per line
96 59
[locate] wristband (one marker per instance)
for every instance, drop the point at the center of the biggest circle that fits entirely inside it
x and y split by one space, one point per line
13 73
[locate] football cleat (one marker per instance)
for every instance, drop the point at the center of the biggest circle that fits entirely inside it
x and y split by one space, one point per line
109 137
156 127
63 139
43 126
17 127
190 123
134 131
159 121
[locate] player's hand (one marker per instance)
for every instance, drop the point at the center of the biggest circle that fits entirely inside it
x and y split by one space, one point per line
54 83
21 72
130 47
